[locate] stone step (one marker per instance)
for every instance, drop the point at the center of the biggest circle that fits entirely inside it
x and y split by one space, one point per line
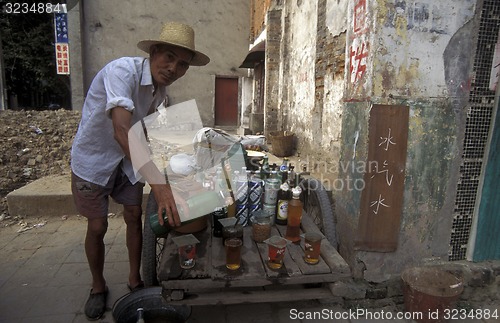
52 196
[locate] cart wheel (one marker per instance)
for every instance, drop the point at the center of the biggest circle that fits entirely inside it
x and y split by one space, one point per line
152 247
155 308
319 206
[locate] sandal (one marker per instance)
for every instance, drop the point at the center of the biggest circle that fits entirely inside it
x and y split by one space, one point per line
136 287
96 305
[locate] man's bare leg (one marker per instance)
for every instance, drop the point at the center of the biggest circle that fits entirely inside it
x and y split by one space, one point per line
132 216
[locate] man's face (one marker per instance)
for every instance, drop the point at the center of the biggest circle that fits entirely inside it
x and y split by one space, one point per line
168 63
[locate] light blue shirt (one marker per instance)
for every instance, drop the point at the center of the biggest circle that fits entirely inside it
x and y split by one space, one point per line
125 82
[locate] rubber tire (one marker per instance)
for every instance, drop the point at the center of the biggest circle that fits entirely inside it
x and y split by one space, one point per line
317 202
155 308
152 246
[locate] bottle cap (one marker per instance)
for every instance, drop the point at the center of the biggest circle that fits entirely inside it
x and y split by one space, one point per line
284 186
296 192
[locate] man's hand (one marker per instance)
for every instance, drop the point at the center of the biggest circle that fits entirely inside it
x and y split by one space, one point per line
166 200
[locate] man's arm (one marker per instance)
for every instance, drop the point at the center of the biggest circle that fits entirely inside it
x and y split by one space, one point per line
161 189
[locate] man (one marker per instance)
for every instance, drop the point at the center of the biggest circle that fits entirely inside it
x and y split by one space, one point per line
122 93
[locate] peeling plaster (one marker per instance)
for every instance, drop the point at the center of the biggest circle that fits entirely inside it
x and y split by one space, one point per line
336 16
421 53
412 69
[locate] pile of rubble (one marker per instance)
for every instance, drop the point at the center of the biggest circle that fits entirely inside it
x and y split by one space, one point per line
34 144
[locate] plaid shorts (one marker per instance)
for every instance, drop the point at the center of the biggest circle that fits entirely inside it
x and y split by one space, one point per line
92 200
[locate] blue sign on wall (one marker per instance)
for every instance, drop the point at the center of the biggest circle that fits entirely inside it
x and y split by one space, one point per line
62 42
61 27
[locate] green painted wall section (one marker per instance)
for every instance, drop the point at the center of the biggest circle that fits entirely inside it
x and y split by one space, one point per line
353 153
432 146
487 246
430 182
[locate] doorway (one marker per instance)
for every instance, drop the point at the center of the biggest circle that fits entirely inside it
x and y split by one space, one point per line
226 101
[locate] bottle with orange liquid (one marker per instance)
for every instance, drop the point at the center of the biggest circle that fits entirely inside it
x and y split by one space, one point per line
294 216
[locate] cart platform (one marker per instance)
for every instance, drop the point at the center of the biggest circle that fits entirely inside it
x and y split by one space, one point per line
211 283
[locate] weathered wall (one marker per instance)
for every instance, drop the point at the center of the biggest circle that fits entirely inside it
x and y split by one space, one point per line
412 70
308 65
258 12
221 29
329 79
273 65
76 65
399 53
301 112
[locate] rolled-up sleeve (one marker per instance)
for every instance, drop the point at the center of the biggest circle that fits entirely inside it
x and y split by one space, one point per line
118 85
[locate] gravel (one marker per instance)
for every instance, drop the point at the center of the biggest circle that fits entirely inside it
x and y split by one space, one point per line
34 144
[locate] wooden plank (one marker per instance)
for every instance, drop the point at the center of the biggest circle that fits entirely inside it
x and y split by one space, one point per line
250 257
264 252
329 254
226 297
170 255
169 263
297 253
382 196
289 264
257 282
251 264
278 282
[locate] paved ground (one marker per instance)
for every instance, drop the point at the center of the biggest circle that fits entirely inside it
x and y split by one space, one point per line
44 278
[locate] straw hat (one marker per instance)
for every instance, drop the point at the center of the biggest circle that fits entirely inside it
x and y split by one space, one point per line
177 34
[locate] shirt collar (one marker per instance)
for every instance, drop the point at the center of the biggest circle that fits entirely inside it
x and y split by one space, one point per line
146 77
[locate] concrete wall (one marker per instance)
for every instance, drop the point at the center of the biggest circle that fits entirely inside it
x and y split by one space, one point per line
112 28
305 49
300 111
415 54
75 52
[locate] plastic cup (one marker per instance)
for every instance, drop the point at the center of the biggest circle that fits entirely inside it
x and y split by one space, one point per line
187 255
186 245
233 253
312 247
276 251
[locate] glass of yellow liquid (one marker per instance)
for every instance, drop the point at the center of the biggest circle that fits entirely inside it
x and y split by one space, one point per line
312 247
233 253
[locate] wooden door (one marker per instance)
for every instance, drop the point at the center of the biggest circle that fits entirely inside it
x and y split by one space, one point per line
226 101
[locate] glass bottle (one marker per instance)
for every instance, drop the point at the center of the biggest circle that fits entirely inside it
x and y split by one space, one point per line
228 184
291 176
294 216
219 213
197 206
284 196
271 188
265 169
283 170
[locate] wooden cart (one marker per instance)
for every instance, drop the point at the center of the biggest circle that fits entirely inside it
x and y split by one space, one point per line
210 282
